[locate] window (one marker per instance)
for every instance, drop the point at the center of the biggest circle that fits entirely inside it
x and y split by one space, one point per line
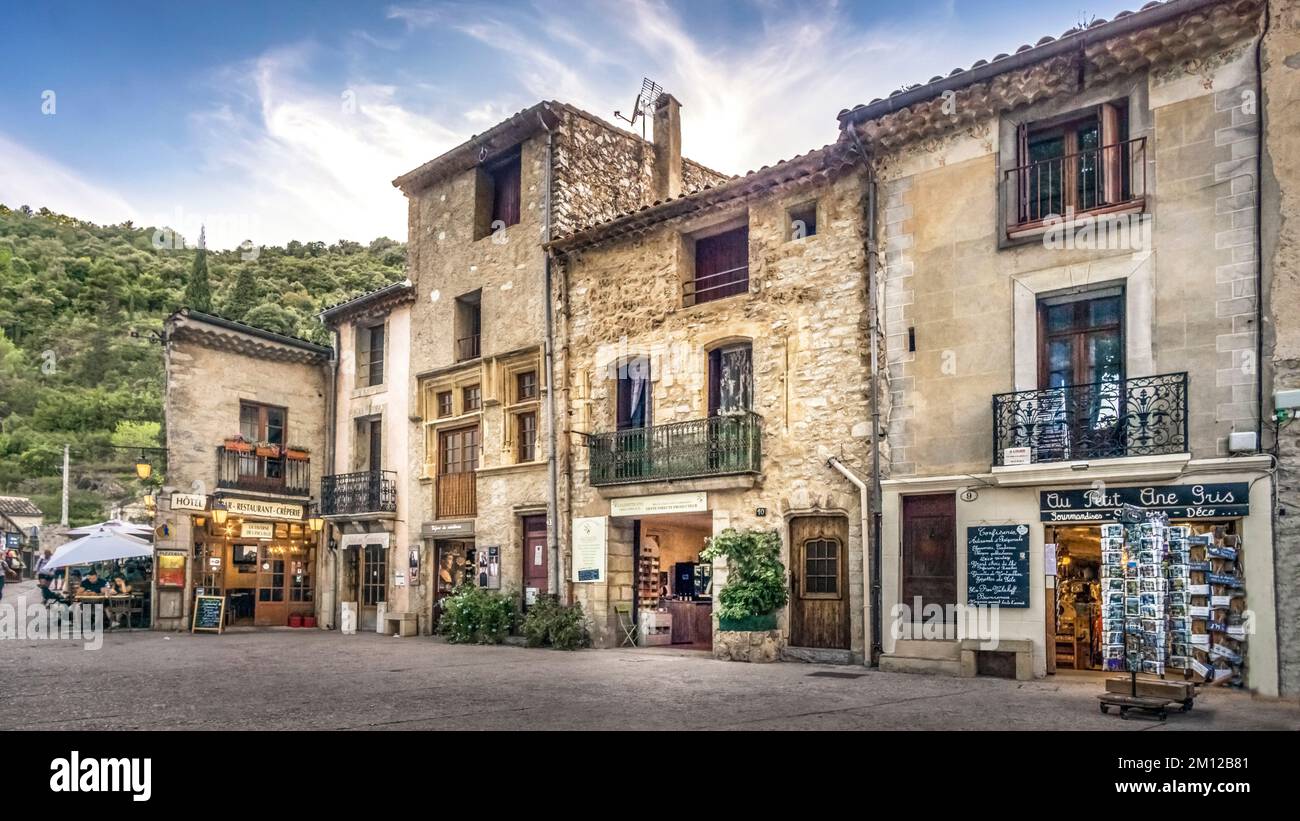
731 380
444 404
262 423
497 195
1081 338
469 326
300 584
526 430
721 266
633 393
1075 163
458 451
270 581
821 567
370 356
802 220
526 386
374 580
471 398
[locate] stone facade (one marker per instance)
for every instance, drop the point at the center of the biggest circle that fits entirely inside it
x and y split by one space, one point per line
1281 257
803 315
596 171
212 365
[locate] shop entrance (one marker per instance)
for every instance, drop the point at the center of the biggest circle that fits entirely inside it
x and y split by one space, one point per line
373 573
264 570
819 612
1074 608
535 560
673 595
457 560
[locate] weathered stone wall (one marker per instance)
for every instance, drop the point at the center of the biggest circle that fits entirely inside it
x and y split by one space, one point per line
1190 301
1281 258
805 315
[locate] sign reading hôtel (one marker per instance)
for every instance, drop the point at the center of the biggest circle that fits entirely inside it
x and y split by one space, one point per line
1196 501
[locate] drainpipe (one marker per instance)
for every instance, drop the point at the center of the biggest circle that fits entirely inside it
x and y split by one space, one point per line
552 466
864 504
872 536
331 417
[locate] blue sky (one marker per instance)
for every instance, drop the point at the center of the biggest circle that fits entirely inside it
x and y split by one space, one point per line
288 120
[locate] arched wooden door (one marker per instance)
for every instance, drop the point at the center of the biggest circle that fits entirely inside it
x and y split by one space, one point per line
819 579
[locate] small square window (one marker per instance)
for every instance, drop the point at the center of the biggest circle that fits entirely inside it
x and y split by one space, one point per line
802 220
526 386
471 399
444 404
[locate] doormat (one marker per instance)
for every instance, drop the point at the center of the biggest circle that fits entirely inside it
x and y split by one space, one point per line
831 674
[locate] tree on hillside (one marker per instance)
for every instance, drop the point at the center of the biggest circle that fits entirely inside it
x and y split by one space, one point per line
244 297
198 291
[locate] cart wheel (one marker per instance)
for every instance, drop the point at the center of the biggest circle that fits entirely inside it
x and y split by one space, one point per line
1105 708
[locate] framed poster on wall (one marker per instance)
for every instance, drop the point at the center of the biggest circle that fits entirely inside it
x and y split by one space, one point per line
589 549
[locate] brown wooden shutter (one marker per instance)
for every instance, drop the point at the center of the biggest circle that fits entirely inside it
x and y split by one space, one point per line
1112 155
1022 161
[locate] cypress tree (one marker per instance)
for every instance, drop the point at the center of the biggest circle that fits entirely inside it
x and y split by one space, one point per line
198 291
244 298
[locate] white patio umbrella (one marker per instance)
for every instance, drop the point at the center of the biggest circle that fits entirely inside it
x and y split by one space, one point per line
115 525
104 545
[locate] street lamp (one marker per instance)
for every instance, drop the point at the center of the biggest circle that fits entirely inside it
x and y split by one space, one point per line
219 513
143 469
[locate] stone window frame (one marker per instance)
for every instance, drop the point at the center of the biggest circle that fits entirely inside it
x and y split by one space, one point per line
1133 91
508 370
815 204
360 327
485 178
730 220
429 388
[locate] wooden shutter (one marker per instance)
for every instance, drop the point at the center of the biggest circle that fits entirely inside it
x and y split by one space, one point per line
1112 154
1022 161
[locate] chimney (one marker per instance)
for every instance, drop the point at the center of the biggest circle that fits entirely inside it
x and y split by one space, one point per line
668 148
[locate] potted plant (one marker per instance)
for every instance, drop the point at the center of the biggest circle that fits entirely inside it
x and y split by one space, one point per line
755 589
296 452
267 449
238 444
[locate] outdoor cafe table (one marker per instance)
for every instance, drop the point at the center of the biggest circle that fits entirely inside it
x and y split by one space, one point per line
113 604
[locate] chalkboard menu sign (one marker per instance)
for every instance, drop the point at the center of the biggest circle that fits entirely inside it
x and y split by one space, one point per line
209 613
997 565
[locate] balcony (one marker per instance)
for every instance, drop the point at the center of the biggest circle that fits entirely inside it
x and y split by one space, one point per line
454 495
699 448
358 494
1143 416
1105 180
245 470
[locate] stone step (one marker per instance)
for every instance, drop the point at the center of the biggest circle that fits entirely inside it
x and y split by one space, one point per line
933 667
922 649
816 655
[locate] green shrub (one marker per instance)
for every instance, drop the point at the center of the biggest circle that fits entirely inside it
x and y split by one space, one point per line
473 615
549 623
756 583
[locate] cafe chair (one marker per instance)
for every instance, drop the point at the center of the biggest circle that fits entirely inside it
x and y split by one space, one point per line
626 624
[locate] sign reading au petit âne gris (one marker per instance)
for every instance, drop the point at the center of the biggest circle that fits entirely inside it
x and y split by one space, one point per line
1202 501
997 565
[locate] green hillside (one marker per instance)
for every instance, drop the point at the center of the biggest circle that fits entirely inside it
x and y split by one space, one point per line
78 364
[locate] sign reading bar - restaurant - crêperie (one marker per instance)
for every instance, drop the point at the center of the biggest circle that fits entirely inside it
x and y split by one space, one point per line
997 565
209 613
263 510
1193 501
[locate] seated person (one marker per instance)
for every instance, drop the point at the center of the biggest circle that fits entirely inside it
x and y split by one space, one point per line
93 584
119 586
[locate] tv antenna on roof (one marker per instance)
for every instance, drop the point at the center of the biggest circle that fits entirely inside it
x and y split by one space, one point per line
645 101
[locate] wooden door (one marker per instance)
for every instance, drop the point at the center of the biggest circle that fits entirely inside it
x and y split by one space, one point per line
929 552
535 553
271 608
819 577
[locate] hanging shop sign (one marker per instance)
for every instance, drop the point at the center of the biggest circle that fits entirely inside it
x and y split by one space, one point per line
257 530
997 565
189 501
589 545
1201 501
665 503
446 530
263 510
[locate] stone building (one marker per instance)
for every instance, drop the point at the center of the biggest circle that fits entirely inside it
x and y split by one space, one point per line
1069 277
245 411
363 495
710 365
1280 238
480 481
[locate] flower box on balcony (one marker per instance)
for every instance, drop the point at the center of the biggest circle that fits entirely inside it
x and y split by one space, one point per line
238 445
296 453
268 450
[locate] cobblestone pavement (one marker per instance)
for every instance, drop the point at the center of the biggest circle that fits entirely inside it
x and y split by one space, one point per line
310 679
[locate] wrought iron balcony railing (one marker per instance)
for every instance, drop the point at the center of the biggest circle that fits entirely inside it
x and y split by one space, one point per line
1142 416
367 491
245 470
1089 181
717 446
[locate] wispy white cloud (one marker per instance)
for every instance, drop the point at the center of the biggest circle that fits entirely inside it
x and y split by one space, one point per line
28 177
